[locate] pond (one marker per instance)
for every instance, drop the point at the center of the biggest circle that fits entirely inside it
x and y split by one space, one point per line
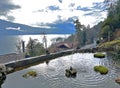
52 75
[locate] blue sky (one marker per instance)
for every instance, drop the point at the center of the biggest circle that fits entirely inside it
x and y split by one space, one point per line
52 13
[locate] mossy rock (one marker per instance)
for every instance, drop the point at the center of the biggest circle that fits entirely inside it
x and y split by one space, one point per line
99 55
96 68
30 73
101 69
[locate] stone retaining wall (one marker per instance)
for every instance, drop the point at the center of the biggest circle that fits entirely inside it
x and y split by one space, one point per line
42 58
37 59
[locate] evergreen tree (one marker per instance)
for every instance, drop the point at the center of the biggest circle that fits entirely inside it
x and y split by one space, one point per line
112 22
78 27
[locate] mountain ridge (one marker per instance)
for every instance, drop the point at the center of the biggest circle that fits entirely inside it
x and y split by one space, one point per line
10 28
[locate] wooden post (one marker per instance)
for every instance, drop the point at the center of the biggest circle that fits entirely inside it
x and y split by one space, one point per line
23 46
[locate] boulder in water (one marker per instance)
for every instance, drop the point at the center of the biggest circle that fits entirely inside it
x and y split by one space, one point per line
2 72
117 80
101 69
71 72
99 55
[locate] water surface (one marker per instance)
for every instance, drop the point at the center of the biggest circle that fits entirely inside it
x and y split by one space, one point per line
8 43
53 74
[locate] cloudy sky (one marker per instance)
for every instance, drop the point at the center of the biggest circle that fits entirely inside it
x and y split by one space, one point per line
46 13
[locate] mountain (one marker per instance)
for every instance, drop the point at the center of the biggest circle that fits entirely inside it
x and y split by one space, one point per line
9 28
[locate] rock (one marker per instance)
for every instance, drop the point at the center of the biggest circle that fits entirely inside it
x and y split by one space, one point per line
67 74
2 72
117 80
101 69
71 72
9 69
3 76
99 55
30 73
2 68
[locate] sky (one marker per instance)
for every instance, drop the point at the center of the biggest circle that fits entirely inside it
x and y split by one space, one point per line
48 13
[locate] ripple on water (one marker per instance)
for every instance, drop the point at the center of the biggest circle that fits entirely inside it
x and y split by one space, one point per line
54 72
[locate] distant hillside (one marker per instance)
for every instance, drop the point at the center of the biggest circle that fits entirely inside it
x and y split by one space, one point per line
9 28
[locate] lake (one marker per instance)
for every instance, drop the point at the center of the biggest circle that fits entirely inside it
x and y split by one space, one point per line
8 43
53 74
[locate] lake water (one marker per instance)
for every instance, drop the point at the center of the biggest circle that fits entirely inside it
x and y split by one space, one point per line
53 74
8 43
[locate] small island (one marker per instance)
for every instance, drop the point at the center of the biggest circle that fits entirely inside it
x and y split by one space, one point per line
101 69
99 55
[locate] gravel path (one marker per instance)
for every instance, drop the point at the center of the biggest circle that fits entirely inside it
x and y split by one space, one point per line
10 57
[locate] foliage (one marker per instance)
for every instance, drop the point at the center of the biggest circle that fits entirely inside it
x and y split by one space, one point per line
87 35
30 73
104 31
78 27
34 48
59 39
70 38
101 69
110 44
80 32
113 20
96 68
99 55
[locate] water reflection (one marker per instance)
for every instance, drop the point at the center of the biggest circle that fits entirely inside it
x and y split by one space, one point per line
52 75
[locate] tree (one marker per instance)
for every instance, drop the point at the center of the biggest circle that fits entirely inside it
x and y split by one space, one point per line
105 30
34 47
112 22
84 37
78 27
59 39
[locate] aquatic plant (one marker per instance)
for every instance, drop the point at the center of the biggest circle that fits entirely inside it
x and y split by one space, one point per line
30 73
101 69
99 55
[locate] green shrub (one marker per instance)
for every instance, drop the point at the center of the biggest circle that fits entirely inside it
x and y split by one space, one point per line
101 69
99 55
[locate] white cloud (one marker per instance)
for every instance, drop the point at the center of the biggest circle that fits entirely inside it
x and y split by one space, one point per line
11 28
30 11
